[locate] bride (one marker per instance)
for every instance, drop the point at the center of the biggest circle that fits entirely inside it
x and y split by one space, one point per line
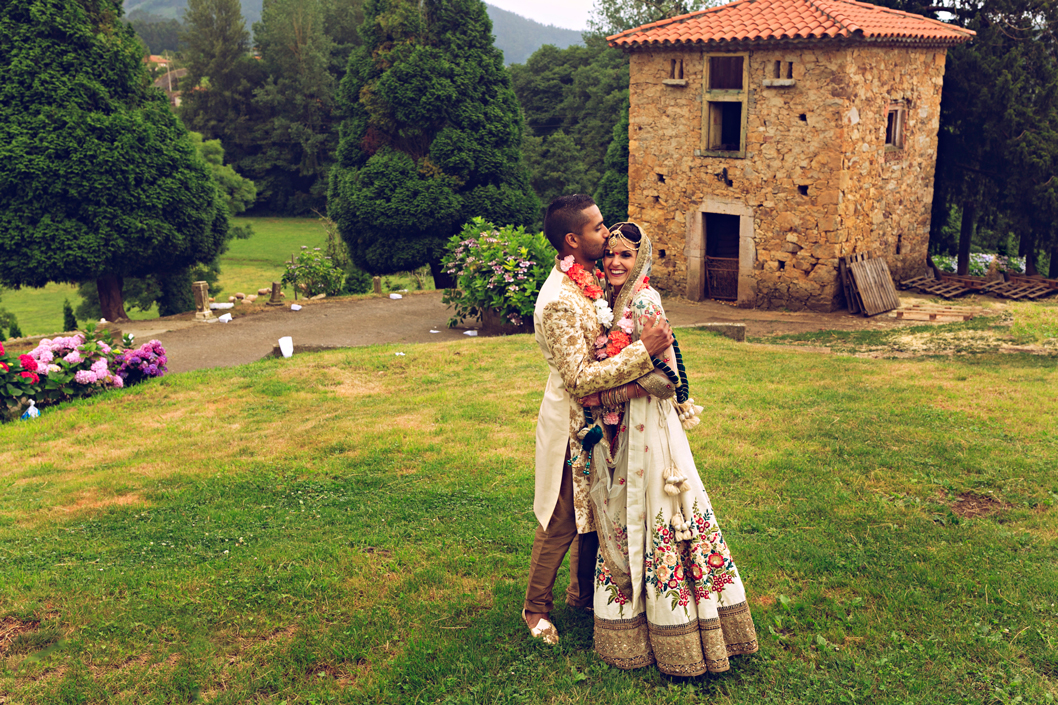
666 588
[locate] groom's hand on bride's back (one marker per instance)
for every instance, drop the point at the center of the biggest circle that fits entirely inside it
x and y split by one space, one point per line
656 336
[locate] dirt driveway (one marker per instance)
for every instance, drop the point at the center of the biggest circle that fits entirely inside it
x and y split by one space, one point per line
415 318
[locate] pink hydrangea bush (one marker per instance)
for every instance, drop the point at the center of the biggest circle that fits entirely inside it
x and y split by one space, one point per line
64 368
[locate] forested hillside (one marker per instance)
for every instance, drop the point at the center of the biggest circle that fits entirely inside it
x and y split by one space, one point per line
516 36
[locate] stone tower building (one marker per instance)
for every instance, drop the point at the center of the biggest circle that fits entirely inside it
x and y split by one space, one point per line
768 138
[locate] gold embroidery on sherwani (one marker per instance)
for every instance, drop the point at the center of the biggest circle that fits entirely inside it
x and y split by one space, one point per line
570 326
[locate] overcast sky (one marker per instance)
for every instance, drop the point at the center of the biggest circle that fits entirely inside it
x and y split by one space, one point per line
571 14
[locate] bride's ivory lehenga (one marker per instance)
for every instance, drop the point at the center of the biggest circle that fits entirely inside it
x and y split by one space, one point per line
678 603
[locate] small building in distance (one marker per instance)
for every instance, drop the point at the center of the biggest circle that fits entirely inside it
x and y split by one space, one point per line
170 83
768 138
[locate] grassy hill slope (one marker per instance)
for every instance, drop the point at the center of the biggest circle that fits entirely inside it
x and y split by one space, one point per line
355 526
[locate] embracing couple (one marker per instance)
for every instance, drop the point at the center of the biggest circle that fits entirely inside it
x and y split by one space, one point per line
616 484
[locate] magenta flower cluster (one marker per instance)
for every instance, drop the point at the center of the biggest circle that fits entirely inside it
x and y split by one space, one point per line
149 360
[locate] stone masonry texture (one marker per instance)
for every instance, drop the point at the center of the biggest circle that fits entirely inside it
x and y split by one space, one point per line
816 178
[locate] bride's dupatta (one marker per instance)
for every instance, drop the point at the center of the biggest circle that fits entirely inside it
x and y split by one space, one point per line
609 481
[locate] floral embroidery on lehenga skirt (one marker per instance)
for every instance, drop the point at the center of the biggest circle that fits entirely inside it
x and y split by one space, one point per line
679 604
693 614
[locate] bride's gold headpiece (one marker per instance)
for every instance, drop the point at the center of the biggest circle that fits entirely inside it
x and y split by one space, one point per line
617 237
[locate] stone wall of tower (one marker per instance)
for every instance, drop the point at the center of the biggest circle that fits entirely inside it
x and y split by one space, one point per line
815 181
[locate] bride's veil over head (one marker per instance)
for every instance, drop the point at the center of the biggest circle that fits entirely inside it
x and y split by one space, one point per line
609 486
640 269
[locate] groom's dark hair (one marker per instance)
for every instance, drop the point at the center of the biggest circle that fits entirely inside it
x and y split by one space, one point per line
564 215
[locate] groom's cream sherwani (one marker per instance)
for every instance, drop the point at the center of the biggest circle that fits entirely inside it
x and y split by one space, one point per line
566 328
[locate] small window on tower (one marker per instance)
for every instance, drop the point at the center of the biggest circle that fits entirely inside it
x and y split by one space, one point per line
724 107
894 127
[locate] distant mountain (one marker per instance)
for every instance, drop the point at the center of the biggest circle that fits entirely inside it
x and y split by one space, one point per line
518 37
174 9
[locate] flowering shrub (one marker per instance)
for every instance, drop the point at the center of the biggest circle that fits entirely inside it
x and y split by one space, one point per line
137 365
980 262
314 273
64 368
498 269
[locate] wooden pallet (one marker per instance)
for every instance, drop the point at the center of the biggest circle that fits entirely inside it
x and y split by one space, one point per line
970 282
852 296
1022 289
874 285
1035 280
916 282
937 314
939 287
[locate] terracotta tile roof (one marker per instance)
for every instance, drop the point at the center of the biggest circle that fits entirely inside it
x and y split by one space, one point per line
758 21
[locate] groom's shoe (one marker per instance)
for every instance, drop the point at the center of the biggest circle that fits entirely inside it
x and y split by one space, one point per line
543 629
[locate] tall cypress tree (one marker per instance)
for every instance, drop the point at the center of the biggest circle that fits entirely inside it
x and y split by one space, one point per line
432 135
296 131
98 178
217 93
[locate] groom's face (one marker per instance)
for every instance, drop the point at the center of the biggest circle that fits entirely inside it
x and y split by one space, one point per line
592 236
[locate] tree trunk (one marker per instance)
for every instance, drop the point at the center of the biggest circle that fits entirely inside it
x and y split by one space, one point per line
110 300
1027 249
1052 271
441 279
966 233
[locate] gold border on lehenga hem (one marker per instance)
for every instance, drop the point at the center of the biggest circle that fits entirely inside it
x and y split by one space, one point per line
690 649
623 643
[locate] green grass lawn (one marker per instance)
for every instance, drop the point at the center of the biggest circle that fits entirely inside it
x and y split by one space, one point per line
355 527
247 266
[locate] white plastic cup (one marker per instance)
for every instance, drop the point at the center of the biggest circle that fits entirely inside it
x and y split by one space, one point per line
286 346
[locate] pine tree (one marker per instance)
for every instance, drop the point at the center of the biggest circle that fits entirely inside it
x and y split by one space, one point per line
69 321
100 180
432 135
296 131
217 93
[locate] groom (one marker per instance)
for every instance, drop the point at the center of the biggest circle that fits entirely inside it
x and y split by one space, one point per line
567 324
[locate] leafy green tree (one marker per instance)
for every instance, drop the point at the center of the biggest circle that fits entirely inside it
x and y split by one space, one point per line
296 131
217 92
119 190
158 33
612 16
171 291
581 91
341 21
432 135
556 166
69 321
997 152
9 321
612 194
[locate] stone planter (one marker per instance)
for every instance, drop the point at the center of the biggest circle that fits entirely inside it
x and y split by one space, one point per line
492 323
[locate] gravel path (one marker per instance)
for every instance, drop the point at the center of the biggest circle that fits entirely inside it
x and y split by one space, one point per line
349 323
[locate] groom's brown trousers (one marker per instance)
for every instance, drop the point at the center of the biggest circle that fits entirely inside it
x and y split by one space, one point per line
549 548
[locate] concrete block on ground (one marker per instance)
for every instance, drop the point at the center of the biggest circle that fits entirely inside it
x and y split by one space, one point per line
735 331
